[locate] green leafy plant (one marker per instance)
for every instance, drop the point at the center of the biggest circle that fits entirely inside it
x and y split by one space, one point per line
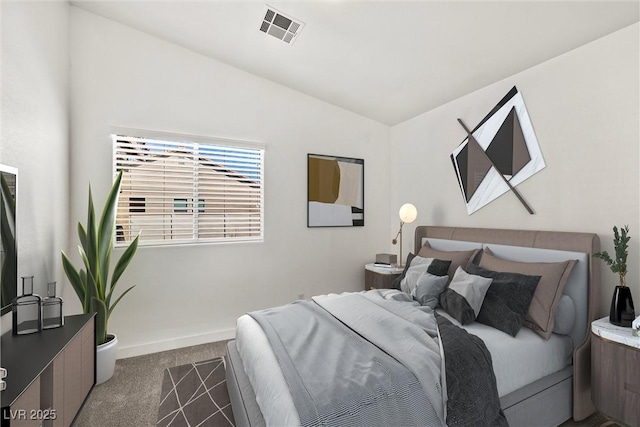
621 245
92 283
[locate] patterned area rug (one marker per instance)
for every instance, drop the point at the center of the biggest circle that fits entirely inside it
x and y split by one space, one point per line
195 395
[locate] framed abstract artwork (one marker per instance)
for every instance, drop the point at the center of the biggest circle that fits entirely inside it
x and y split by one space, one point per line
335 191
501 152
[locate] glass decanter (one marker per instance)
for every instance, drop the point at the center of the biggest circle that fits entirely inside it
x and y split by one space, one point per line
52 309
27 310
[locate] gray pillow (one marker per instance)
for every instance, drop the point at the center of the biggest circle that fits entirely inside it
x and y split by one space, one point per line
396 282
463 298
457 258
439 267
554 276
418 267
428 289
415 269
507 301
564 316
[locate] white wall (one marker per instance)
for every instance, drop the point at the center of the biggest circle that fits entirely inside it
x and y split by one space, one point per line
35 132
584 106
191 294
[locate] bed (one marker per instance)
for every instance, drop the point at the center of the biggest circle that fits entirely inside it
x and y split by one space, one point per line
541 390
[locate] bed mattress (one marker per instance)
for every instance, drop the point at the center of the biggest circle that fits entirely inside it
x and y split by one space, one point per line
523 359
517 362
264 373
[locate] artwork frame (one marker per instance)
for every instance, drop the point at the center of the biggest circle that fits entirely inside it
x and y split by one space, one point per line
335 191
501 152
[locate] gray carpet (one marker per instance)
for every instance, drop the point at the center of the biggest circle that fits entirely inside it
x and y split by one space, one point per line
131 397
195 394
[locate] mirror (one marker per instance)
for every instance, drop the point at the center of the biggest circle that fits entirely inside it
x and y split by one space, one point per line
8 249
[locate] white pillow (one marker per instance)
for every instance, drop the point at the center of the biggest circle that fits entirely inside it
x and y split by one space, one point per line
471 287
464 296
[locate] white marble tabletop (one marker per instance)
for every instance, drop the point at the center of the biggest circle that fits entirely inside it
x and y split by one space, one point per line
384 270
603 328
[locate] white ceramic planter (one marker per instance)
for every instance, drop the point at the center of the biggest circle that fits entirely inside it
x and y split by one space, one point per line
106 359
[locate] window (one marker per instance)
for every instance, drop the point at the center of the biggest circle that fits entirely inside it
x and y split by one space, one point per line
179 192
136 204
180 205
119 234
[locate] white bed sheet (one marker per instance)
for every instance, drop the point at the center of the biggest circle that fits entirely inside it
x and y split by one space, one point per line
523 359
517 361
266 378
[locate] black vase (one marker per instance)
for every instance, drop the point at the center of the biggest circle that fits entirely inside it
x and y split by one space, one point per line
622 312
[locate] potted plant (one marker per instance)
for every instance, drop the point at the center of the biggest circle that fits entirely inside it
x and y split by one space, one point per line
91 281
622 312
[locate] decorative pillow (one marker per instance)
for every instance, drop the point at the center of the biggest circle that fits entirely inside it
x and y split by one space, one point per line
397 280
436 267
508 299
463 298
457 258
554 276
417 268
564 316
429 287
439 267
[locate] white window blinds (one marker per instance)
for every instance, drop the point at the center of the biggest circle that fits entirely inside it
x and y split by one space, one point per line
179 192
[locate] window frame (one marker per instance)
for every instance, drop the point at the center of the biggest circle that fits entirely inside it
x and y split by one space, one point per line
119 133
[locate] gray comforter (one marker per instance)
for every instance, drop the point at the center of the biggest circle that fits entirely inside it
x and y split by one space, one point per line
370 358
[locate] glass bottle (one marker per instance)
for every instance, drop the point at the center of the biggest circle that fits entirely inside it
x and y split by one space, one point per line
27 310
52 309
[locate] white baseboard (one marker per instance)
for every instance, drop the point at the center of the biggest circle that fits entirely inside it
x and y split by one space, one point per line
172 344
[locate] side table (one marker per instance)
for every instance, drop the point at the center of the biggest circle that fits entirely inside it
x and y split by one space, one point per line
376 277
615 371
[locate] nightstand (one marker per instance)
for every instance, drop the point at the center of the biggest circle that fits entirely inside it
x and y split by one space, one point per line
376 277
615 371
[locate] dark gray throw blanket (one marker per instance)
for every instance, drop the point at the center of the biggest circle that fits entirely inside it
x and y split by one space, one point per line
374 358
472 396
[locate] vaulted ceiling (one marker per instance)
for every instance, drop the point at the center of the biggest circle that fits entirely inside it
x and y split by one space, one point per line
386 60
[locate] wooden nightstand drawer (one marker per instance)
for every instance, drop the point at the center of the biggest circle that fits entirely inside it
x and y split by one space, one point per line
380 278
615 371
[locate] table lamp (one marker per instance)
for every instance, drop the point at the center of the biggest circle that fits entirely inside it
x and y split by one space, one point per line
408 214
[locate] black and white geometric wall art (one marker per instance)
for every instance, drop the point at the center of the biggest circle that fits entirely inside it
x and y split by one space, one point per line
335 191
501 152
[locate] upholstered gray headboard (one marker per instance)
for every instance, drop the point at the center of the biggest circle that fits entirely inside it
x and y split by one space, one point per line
588 243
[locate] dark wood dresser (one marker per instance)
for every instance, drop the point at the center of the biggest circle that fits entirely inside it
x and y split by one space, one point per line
49 373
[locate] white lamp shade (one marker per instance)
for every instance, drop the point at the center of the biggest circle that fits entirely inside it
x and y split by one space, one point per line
408 213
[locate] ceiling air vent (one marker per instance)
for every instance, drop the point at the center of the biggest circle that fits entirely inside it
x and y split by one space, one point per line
280 26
